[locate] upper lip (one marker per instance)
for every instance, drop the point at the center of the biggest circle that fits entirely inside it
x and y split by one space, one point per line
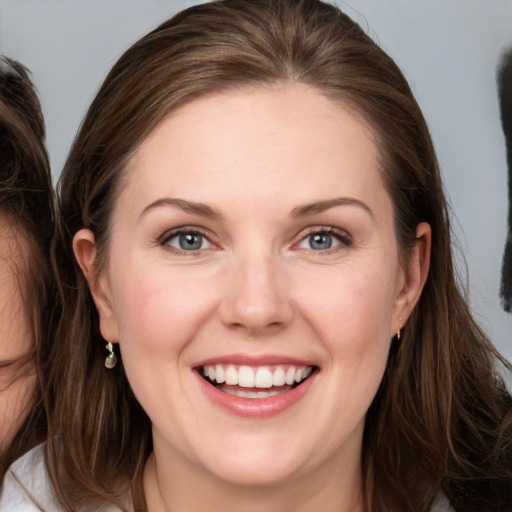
251 360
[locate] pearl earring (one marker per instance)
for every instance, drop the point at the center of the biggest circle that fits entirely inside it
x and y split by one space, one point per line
111 359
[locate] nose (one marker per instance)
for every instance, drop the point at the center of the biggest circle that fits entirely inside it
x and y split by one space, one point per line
257 297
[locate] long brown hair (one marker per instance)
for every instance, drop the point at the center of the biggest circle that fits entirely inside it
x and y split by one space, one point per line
26 199
441 421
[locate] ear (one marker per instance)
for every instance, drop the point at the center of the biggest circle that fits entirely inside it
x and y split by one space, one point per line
84 247
414 277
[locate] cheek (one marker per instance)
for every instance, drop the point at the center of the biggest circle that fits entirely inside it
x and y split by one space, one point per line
15 397
16 384
352 318
354 304
160 310
157 315
15 330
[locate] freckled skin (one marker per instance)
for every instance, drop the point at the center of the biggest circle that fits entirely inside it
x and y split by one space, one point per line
257 286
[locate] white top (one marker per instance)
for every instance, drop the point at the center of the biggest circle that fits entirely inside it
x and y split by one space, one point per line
27 488
25 482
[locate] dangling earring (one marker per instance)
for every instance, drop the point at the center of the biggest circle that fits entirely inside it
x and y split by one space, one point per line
111 359
399 329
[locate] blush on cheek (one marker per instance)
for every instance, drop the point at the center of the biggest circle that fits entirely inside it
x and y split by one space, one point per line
168 304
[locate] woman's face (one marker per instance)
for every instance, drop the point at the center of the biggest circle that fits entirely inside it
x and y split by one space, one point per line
16 384
253 284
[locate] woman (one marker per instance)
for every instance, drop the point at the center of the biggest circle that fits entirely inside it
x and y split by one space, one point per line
252 222
26 227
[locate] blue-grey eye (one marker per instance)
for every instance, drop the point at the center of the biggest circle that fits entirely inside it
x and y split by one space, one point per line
188 241
323 241
320 241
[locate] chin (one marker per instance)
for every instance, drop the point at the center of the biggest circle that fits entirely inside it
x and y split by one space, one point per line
264 463
249 475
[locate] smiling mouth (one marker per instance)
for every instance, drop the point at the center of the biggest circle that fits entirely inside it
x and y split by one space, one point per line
255 382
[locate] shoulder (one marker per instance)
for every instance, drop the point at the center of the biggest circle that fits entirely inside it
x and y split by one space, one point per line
442 505
26 486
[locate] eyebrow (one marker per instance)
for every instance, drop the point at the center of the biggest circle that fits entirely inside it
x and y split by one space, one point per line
321 206
203 210
200 209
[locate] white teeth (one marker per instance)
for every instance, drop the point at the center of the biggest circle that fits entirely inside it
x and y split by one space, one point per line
290 376
231 375
278 378
245 377
220 376
255 394
262 377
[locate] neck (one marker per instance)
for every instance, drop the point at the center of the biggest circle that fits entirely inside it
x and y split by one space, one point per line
182 487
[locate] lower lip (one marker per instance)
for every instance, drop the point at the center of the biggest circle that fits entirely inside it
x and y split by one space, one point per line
256 407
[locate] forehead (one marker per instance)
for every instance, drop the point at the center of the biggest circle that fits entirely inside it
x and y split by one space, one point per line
290 136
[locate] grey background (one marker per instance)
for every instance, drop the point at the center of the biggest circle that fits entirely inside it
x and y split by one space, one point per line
448 49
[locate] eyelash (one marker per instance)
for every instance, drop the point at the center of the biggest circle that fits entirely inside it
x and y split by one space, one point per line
184 230
341 236
344 239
